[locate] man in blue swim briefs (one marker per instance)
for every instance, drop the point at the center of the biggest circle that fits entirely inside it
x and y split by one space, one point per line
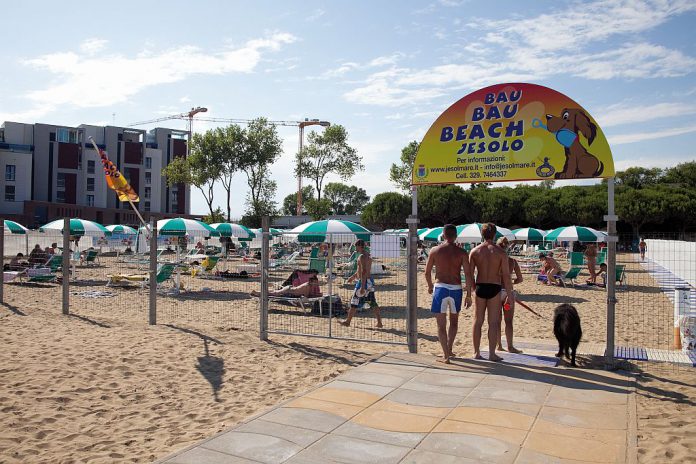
491 265
449 260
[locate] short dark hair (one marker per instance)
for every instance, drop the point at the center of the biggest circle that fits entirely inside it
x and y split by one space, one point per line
314 277
542 256
450 231
360 242
488 231
602 265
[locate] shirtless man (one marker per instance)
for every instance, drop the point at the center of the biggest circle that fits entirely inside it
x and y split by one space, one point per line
491 264
509 313
307 290
364 287
591 256
448 260
551 267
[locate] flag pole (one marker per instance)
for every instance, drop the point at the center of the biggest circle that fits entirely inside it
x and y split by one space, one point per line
142 221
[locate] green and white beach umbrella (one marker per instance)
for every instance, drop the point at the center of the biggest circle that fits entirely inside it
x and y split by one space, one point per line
180 227
575 234
431 235
332 231
78 227
123 230
529 234
227 229
12 227
271 230
472 233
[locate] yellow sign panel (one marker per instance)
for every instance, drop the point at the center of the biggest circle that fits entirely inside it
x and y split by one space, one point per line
512 132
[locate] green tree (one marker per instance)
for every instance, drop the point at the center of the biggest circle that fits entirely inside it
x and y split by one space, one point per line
215 217
318 209
637 207
261 147
683 174
326 153
228 142
541 208
290 202
387 210
400 174
345 199
201 169
637 177
444 204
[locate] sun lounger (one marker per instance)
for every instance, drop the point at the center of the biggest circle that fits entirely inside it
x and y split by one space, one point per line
90 259
576 258
206 267
289 261
318 264
163 274
11 276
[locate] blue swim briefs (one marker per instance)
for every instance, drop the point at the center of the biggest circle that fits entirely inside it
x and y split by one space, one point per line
446 296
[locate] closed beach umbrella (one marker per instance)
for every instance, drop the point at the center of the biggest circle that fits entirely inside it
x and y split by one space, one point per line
78 227
14 228
239 231
575 234
330 231
529 234
180 227
123 230
472 233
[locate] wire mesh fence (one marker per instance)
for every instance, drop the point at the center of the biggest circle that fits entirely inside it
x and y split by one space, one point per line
314 284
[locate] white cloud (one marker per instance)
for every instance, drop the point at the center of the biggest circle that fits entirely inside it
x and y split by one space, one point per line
316 14
652 162
618 114
621 139
86 81
185 99
93 46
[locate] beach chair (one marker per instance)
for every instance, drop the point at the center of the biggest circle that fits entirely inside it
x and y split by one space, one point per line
314 253
318 264
206 267
39 275
164 272
289 261
621 274
601 258
570 276
54 263
576 258
91 258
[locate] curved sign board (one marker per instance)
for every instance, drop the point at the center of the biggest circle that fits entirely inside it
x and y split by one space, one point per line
512 132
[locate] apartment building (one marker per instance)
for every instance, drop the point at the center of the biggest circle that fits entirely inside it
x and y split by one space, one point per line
54 171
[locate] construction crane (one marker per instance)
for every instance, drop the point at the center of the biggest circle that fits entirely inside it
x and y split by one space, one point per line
189 117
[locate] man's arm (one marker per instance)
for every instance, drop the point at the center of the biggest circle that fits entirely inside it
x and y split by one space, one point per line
469 277
428 271
507 281
358 270
518 273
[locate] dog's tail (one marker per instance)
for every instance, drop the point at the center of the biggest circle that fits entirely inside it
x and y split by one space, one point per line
600 170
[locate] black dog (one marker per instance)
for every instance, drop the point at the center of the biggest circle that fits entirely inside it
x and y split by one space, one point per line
566 328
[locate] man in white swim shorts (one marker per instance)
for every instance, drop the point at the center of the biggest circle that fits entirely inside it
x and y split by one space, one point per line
449 260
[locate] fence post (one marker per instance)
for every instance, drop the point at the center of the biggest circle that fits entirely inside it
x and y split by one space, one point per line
2 253
263 301
66 266
412 285
152 316
681 306
611 239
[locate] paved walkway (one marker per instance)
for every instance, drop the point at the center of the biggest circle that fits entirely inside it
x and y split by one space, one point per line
404 408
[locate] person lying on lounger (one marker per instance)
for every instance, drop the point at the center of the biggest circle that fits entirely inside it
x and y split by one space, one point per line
17 263
307 290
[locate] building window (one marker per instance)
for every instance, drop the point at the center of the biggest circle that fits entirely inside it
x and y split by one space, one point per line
61 180
9 193
148 162
90 184
148 190
148 178
68 136
147 206
10 170
90 200
90 166
60 196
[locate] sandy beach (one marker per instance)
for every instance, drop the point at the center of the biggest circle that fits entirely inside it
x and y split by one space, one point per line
102 386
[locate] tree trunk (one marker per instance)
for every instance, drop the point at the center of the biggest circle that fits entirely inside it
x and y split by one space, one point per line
229 210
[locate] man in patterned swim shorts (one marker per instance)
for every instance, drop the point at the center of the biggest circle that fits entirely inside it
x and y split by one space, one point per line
449 260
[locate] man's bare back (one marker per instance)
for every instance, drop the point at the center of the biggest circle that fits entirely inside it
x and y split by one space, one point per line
489 260
448 260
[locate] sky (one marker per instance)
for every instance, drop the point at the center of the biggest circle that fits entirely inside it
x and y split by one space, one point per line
383 69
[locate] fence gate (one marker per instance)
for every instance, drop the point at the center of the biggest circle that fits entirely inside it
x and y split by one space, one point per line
293 258
656 294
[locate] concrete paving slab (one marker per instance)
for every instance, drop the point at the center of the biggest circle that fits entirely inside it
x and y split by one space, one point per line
395 421
584 419
201 455
527 456
343 410
372 378
523 408
313 420
428 411
587 396
444 379
351 450
254 446
361 387
509 394
429 457
470 446
541 388
512 436
489 416
294 434
350 429
575 448
416 398
617 437
344 396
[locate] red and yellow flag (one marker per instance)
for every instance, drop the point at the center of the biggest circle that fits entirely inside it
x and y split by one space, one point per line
115 180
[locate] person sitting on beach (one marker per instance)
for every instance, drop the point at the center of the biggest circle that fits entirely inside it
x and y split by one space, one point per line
551 267
37 255
83 254
591 256
52 249
18 263
508 312
603 275
306 290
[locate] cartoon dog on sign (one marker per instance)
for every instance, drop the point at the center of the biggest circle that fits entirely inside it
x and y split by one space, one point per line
579 162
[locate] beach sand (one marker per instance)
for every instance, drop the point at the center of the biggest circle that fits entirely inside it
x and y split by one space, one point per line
102 386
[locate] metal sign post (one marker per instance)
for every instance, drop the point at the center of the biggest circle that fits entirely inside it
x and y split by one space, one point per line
66 266
412 278
612 239
152 316
263 313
